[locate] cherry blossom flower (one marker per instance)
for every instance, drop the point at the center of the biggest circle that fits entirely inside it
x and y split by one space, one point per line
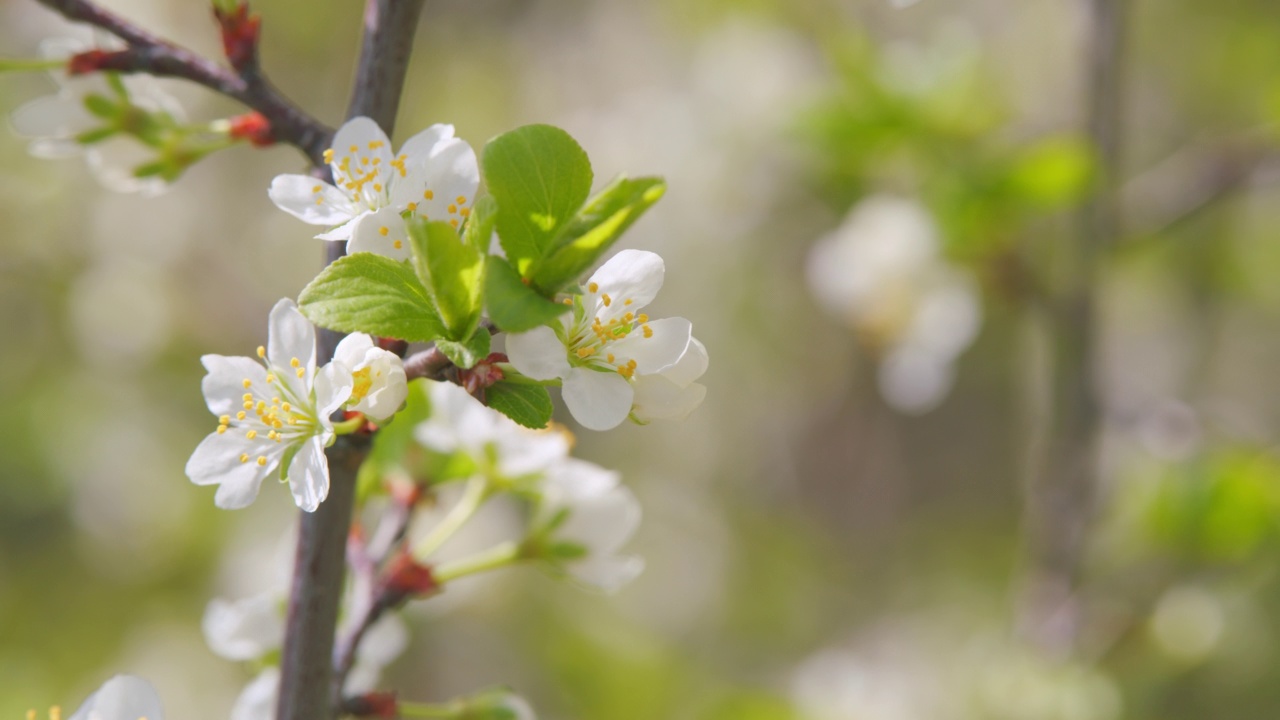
123 697
606 345
57 124
434 176
379 387
882 274
500 447
244 629
587 517
273 416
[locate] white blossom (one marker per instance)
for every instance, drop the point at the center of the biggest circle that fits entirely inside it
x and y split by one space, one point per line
258 699
123 697
882 274
434 176
460 423
672 393
379 387
590 514
246 629
54 122
606 344
273 416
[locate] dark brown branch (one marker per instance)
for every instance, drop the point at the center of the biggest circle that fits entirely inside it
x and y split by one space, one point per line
150 54
1062 492
307 689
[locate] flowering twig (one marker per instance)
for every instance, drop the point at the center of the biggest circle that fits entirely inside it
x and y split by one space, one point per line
307 687
154 55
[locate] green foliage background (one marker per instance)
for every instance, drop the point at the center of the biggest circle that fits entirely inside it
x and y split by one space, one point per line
794 511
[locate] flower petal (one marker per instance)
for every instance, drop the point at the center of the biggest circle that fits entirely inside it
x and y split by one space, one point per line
597 400
634 275
244 629
443 186
603 522
217 459
290 337
608 572
538 354
420 147
692 365
383 232
310 200
657 398
332 388
52 116
309 475
667 343
362 162
223 386
343 231
123 697
258 699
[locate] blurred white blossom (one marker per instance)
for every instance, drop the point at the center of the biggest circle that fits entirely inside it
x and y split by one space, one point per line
123 697
881 273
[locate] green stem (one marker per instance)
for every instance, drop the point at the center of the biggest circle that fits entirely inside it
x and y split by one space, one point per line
498 556
477 492
346 427
426 710
30 64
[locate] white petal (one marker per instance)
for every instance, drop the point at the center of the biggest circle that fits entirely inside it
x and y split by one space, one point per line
538 354
383 642
123 697
333 386
383 233
423 145
573 480
524 452
665 347
343 231
310 200
657 398
363 150
914 380
389 390
309 475
608 573
602 523
352 349
52 116
290 336
634 275
224 387
245 629
692 365
217 460
597 400
258 699
443 185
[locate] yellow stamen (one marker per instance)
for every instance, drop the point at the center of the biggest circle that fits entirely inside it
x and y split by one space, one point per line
428 195
328 155
397 244
225 419
462 199
453 209
294 362
222 429
262 461
593 287
383 231
262 352
628 301
247 383
244 457
251 434
607 300
301 372
240 415
648 331
413 206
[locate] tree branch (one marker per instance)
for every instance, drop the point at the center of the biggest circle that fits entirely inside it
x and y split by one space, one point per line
1062 492
307 690
150 54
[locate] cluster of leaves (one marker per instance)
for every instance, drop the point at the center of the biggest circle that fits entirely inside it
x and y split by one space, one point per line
550 231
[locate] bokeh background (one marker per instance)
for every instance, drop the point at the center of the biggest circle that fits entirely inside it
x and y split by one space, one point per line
825 539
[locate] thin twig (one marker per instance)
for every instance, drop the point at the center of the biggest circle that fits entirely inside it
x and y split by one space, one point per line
307 687
150 54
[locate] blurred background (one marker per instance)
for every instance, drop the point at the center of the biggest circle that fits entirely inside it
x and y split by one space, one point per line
968 452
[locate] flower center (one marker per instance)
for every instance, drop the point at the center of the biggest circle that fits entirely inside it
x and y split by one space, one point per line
589 342
271 409
363 382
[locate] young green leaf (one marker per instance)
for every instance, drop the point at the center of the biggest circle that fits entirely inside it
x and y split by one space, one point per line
467 353
480 224
539 176
514 306
593 230
374 294
452 271
526 403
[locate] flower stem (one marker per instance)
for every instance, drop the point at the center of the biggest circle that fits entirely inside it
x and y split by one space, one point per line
30 64
346 427
507 553
426 710
477 492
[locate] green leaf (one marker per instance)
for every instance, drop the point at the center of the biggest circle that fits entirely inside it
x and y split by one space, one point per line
101 106
452 271
373 294
514 306
594 229
539 176
467 353
480 225
527 404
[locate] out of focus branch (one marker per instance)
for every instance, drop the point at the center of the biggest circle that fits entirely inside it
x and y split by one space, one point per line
1062 491
307 688
150 54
